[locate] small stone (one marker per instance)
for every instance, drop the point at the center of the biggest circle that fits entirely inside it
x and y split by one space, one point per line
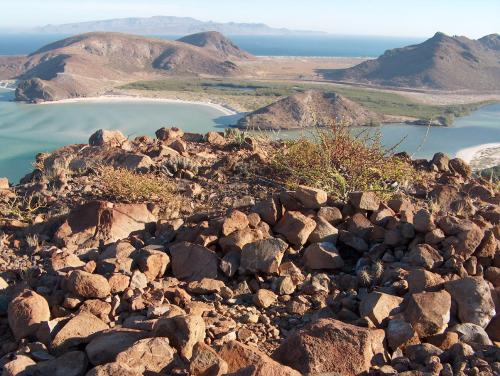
264 298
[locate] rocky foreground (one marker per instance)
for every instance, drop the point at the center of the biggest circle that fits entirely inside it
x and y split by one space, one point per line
241 276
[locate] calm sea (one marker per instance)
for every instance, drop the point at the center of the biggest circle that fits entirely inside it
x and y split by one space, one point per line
324 45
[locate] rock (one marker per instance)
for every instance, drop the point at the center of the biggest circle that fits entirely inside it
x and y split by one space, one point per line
429 312
269 210
295 227
16 366
98 220
328 345
251 361
193 262
460 167
324 232
493 329
264 298
310 198
322 256
65 261
215 138
4 183
472 334
149 355
262 256
102 137
206 362
378 306
205 286
364 200
138 280
26 312
153 263
473 298
353 241
73 363
97 308
77 330
168 134
441 160
423 221
183 332
238 239
88 285
230 263
118 283
420 280
236 221
105 346
425 256
113 369
399 333
330 214
422 353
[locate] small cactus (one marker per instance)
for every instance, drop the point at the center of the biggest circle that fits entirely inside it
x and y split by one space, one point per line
364 277
377 269
173 166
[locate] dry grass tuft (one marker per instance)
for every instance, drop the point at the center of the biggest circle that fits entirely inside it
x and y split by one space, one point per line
121 185
339 162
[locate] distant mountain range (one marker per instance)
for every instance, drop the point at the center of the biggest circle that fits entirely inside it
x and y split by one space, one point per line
91 63
441 62
167 25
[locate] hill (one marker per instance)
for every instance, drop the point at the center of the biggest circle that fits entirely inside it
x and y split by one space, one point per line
442 62
309 109
217 43
167 25
89 64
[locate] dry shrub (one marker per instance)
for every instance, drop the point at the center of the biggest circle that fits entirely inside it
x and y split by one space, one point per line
122 185
339 162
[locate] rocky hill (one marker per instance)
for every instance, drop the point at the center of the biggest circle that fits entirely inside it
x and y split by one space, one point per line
442 62
218 44
89 64
309 109
242 276
166 25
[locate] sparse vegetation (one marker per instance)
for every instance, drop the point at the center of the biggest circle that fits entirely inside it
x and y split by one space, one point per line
339 162
251 95
21 208
175 166
121 185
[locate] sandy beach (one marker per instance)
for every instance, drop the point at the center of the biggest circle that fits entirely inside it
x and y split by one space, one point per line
119 98
481 156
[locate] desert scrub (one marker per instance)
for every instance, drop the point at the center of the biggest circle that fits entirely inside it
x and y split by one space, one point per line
21 207
125 186
340 162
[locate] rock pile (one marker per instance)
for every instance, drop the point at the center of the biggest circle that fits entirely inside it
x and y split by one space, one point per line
288 283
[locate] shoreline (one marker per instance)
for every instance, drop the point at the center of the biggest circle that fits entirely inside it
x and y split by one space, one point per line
481 156
129 98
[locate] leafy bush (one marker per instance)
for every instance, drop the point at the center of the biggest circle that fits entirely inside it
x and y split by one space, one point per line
339 162
121 185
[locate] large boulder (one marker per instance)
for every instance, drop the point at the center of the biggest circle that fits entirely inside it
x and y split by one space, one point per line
88 285
149 355
429 312
262 256
183 332
193 262
328 345
99 220
77 330
295 227
26 312
246 360
105 346
103 137
323 256
473 298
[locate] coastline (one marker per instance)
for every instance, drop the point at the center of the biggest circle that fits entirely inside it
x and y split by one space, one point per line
481 156
129 98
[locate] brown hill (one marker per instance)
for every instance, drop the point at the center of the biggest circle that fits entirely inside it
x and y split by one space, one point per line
309 109
217 43
89 64
442 62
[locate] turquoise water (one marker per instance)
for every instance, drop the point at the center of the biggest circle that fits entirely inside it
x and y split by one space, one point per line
268 45
26 130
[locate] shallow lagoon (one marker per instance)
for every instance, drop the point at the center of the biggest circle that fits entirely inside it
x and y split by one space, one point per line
26 130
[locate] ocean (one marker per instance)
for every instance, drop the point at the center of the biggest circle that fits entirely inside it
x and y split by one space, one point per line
294 45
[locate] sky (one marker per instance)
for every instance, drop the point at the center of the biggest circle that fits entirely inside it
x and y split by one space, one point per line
419 18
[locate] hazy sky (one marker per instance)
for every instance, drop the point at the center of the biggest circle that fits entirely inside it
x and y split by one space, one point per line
473 18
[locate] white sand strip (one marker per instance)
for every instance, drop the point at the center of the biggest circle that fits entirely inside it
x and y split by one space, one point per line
469 154
123 98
